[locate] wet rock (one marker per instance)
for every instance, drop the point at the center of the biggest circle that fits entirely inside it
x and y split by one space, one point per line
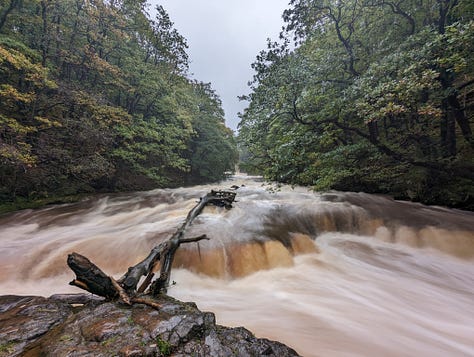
49 327
24 320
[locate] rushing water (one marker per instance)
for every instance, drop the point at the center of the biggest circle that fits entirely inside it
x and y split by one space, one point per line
339 274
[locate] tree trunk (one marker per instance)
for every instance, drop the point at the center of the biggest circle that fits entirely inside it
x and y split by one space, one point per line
89 277
448 131
461 119
4 14
45 36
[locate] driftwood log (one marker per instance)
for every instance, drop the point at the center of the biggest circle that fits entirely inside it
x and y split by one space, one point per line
91 278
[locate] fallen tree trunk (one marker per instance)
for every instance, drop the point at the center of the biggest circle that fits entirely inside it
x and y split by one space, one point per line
91 278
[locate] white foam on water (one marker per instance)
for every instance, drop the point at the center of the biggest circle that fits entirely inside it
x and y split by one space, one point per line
371 288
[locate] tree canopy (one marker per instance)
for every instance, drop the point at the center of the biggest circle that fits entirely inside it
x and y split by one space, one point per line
371 95
94 96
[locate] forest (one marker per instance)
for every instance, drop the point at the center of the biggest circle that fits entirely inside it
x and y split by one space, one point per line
367 95
95 97
357 95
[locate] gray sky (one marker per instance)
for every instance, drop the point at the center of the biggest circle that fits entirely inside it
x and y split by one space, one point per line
224 37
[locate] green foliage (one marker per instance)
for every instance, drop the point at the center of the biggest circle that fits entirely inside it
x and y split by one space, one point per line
94 96
163 346
374 96
6 349
213 150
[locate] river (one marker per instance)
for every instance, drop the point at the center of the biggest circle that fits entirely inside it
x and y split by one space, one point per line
335 274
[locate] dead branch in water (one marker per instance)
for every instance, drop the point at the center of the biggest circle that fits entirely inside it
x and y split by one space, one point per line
91 278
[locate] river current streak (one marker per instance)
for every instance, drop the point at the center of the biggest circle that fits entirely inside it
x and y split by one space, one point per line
338 274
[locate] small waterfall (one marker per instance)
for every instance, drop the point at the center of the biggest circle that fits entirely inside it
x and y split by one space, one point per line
332 274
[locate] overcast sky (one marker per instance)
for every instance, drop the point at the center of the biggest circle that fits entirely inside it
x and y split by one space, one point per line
224 37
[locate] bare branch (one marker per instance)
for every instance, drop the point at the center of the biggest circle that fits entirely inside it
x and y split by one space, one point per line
90 278
123 295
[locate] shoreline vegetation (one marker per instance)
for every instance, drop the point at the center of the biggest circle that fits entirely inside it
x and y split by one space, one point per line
96 97
371 96
23 203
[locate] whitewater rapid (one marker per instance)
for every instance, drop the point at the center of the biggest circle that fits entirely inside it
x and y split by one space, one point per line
336 274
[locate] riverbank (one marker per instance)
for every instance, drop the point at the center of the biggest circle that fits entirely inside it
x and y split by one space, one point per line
23 203
37 326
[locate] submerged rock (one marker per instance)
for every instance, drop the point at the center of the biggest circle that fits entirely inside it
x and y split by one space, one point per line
37 326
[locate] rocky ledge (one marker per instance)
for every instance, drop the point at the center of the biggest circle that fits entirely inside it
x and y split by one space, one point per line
37 326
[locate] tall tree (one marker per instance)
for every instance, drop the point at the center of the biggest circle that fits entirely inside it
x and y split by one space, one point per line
94 96
374 96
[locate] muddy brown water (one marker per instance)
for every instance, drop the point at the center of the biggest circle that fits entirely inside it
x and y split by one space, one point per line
335 274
